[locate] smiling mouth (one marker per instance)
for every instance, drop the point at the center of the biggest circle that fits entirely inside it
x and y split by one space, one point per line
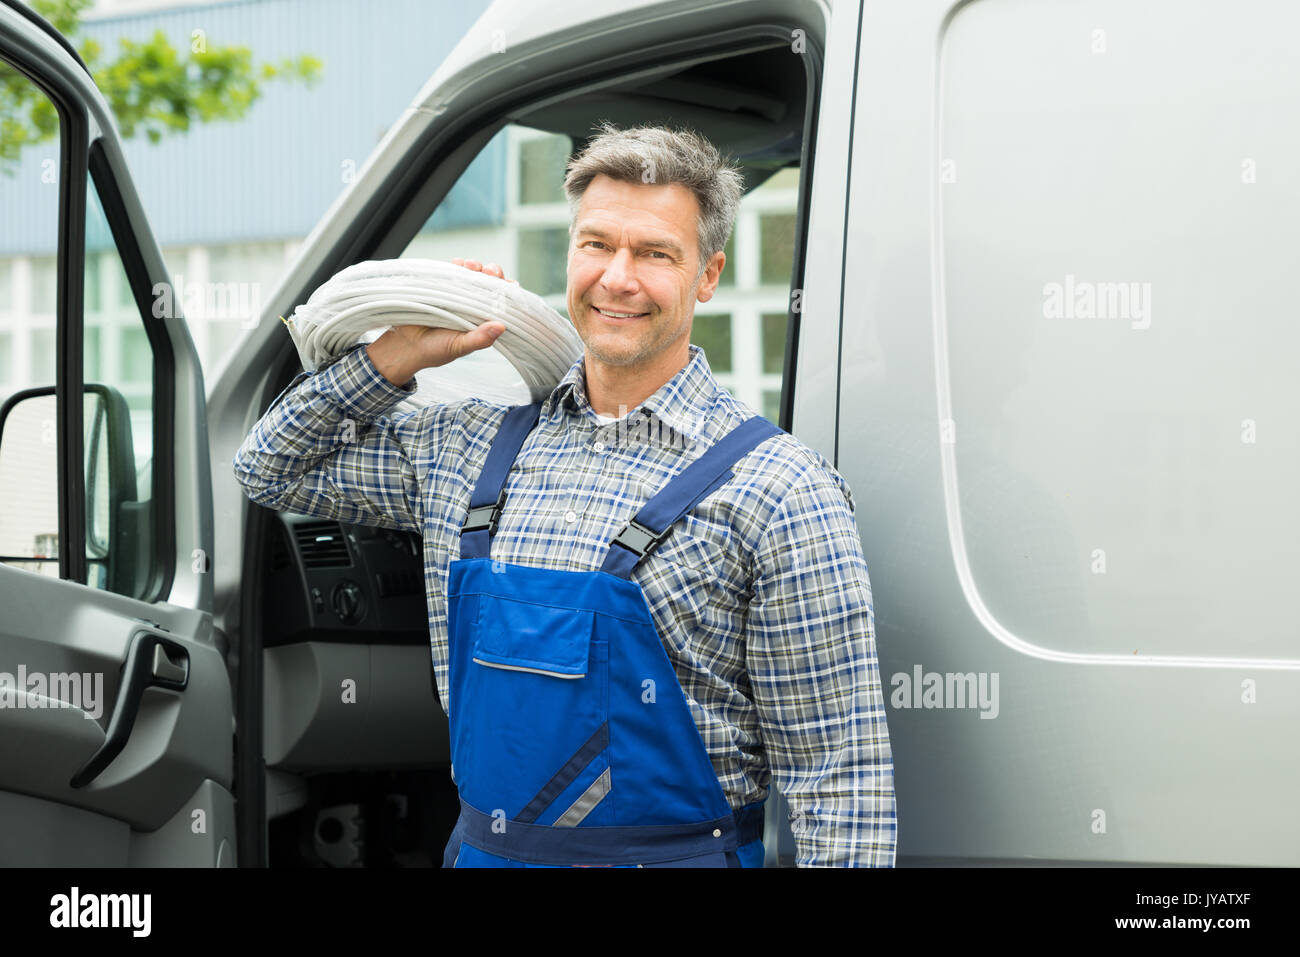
619 316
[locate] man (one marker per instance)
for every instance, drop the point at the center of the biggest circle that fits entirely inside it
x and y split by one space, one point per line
639 619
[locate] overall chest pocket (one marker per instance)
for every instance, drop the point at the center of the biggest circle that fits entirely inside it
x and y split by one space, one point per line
535 689
540 639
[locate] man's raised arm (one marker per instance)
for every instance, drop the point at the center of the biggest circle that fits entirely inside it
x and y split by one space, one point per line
326 447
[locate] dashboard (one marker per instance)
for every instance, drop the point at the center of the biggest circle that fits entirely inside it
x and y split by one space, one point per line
328 581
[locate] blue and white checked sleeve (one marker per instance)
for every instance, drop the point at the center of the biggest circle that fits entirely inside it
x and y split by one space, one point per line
811 656
325 448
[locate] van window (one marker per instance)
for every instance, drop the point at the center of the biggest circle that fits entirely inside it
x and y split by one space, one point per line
29 241
742 329
121 542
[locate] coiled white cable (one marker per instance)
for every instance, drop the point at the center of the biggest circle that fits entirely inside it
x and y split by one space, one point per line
539 342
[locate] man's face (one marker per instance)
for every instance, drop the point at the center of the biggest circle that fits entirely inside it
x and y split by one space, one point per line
633 268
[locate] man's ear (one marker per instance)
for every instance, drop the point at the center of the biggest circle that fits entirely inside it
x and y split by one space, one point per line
712 273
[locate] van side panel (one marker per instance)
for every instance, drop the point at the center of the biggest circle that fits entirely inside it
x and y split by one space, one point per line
1068 419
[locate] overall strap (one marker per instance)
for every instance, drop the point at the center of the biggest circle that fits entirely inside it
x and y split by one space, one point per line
489 495
651 525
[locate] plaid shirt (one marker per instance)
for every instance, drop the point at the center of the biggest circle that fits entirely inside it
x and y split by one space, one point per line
760 594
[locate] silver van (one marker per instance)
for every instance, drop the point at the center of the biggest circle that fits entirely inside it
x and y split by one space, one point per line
1033 304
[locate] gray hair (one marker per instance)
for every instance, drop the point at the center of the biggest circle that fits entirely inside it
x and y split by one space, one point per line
657 154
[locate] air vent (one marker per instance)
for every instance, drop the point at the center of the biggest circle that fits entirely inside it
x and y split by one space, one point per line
322 545
407 581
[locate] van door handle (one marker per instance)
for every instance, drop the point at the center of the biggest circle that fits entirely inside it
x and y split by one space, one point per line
152 661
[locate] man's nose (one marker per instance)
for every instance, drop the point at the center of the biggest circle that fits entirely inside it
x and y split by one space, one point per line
620 274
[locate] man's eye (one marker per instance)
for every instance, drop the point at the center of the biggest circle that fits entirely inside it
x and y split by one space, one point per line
656 252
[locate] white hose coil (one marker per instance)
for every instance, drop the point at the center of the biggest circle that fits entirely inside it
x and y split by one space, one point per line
539 342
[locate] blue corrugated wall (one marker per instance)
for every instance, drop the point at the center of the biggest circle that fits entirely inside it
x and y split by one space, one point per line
273 174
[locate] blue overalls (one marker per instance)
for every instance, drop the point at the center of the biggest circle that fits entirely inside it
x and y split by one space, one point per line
571 740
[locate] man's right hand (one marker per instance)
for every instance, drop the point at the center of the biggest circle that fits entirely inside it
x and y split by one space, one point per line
403 351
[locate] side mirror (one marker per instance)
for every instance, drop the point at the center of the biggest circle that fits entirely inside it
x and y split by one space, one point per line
113 516
29 488
29 533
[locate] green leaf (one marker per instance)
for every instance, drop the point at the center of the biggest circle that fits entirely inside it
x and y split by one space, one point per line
151 86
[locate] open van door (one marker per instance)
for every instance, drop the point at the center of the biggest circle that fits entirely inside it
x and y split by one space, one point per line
116 723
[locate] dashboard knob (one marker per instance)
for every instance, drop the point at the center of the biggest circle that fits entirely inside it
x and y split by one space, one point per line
348 602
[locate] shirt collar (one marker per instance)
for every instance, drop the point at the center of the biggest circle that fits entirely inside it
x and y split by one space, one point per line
683 403
571 392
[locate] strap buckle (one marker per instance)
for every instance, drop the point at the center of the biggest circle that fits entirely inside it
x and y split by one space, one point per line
485 516
640 540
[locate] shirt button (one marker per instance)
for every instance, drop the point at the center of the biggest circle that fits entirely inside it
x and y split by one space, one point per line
570 516
717 833
599 446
